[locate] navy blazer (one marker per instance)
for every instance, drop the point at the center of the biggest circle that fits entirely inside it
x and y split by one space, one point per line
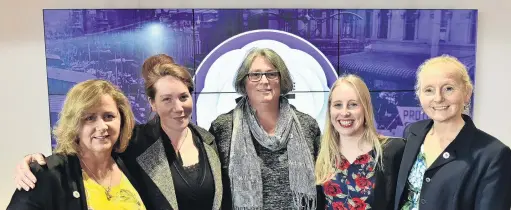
59 185
474 171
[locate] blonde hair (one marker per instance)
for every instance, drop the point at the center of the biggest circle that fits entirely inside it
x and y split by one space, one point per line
460 68
82 97
329 152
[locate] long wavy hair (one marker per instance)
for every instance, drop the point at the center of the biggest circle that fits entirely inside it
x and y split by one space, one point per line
329 152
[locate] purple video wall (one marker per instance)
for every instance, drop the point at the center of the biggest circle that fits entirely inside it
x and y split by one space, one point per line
383 46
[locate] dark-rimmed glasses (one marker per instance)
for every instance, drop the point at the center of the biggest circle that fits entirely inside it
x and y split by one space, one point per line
256 76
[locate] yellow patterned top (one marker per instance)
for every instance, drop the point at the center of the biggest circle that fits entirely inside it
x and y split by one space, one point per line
124 195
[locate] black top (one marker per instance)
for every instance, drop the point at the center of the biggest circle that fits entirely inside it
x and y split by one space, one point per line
194 171
145 158
194 185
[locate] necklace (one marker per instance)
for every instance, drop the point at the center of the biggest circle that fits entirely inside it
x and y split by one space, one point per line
182 142
107 190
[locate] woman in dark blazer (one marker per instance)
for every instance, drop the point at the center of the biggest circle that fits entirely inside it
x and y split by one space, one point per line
159 173
448 163
356 168
60 185
175 162
95 125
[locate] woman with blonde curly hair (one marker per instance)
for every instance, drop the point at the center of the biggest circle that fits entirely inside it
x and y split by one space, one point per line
85 172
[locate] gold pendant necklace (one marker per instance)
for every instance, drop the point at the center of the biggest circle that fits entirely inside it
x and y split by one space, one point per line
107 190
107 193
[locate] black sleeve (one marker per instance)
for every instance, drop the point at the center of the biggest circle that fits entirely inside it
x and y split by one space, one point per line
38 198
494 191
397 149
321 198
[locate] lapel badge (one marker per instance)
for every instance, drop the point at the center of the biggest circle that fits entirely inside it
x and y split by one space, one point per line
76 194
446 155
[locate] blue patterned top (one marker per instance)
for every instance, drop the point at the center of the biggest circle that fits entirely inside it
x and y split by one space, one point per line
352 186
414 183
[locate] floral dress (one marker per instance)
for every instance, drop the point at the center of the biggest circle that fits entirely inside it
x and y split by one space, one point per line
352 186
414 183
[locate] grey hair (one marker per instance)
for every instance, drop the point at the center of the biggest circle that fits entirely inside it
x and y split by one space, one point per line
286 82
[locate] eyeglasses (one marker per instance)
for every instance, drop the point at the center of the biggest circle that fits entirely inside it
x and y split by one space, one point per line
256 76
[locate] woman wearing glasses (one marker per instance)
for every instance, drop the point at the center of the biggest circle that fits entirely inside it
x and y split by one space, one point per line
267 147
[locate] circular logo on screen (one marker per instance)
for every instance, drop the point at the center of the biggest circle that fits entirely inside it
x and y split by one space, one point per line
312 73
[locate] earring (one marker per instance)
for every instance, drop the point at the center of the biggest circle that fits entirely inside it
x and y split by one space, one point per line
466 106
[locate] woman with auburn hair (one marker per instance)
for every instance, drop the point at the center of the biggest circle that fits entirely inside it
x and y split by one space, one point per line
356 167
86 172
174 161
154 60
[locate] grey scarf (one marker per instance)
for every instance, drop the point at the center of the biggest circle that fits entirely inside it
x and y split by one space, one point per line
245 168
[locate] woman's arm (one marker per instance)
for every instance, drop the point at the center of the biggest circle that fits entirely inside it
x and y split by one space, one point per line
37 198
25 178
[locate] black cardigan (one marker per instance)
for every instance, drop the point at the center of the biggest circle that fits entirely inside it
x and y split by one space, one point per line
59 185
